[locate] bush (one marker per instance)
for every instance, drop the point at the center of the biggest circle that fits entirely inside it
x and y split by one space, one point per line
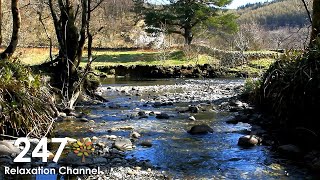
290 89
24 107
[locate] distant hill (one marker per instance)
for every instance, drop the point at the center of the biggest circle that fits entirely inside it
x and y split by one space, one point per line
275 14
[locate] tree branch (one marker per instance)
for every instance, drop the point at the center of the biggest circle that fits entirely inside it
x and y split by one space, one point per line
97 5
308 12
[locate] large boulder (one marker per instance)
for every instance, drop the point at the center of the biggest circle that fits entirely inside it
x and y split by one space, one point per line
200 129
7 148
249 140
123 144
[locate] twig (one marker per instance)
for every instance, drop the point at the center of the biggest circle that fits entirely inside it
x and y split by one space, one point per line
308 12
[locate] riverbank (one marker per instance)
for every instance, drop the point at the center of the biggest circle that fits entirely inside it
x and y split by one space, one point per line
253 68
298 145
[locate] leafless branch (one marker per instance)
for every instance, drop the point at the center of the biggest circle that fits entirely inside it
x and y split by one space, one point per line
308 12
97 5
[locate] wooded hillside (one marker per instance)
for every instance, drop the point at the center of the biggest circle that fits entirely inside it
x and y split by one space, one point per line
275 14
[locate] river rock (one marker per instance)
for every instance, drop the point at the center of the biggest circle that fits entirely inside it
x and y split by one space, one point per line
200 129
123 144
83 119
70 140
50 155
62 114
141 113
236 103
146 143
67 110
101 144
33 143
111 137
163 116
7 148
135 135
249 140
126 128
193 109
192 118
157 104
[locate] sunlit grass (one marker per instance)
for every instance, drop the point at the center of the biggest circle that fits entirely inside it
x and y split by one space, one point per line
255 67
34 56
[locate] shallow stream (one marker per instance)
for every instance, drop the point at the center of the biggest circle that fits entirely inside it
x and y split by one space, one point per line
185 156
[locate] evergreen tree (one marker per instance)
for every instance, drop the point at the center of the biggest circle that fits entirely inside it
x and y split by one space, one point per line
182 16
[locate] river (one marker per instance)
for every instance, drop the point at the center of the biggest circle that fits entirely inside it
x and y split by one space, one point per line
183 156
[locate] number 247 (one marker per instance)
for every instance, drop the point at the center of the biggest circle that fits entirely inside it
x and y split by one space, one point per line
36 152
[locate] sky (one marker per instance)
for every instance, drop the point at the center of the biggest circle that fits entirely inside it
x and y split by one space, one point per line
237 3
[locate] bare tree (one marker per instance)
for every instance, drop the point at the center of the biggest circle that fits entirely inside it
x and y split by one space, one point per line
15 30
71 40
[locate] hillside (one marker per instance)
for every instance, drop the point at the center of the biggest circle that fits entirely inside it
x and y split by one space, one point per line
275 14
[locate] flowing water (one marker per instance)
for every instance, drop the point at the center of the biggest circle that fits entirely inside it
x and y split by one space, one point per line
211 156
184 156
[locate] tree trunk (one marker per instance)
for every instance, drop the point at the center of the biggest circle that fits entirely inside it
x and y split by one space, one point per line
15 31
71 41
187 35
0 22
315 24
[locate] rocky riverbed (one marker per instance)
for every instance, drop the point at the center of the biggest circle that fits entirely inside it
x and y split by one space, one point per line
173 128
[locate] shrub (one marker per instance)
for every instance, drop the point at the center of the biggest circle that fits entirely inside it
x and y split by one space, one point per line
24 107
290 89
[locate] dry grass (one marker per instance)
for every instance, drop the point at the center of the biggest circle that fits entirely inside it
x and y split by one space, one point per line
25 110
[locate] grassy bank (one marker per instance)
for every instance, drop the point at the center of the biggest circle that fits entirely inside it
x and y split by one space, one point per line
34 56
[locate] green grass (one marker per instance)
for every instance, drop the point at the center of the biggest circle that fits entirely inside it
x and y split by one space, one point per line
34 56
255 68
127 58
